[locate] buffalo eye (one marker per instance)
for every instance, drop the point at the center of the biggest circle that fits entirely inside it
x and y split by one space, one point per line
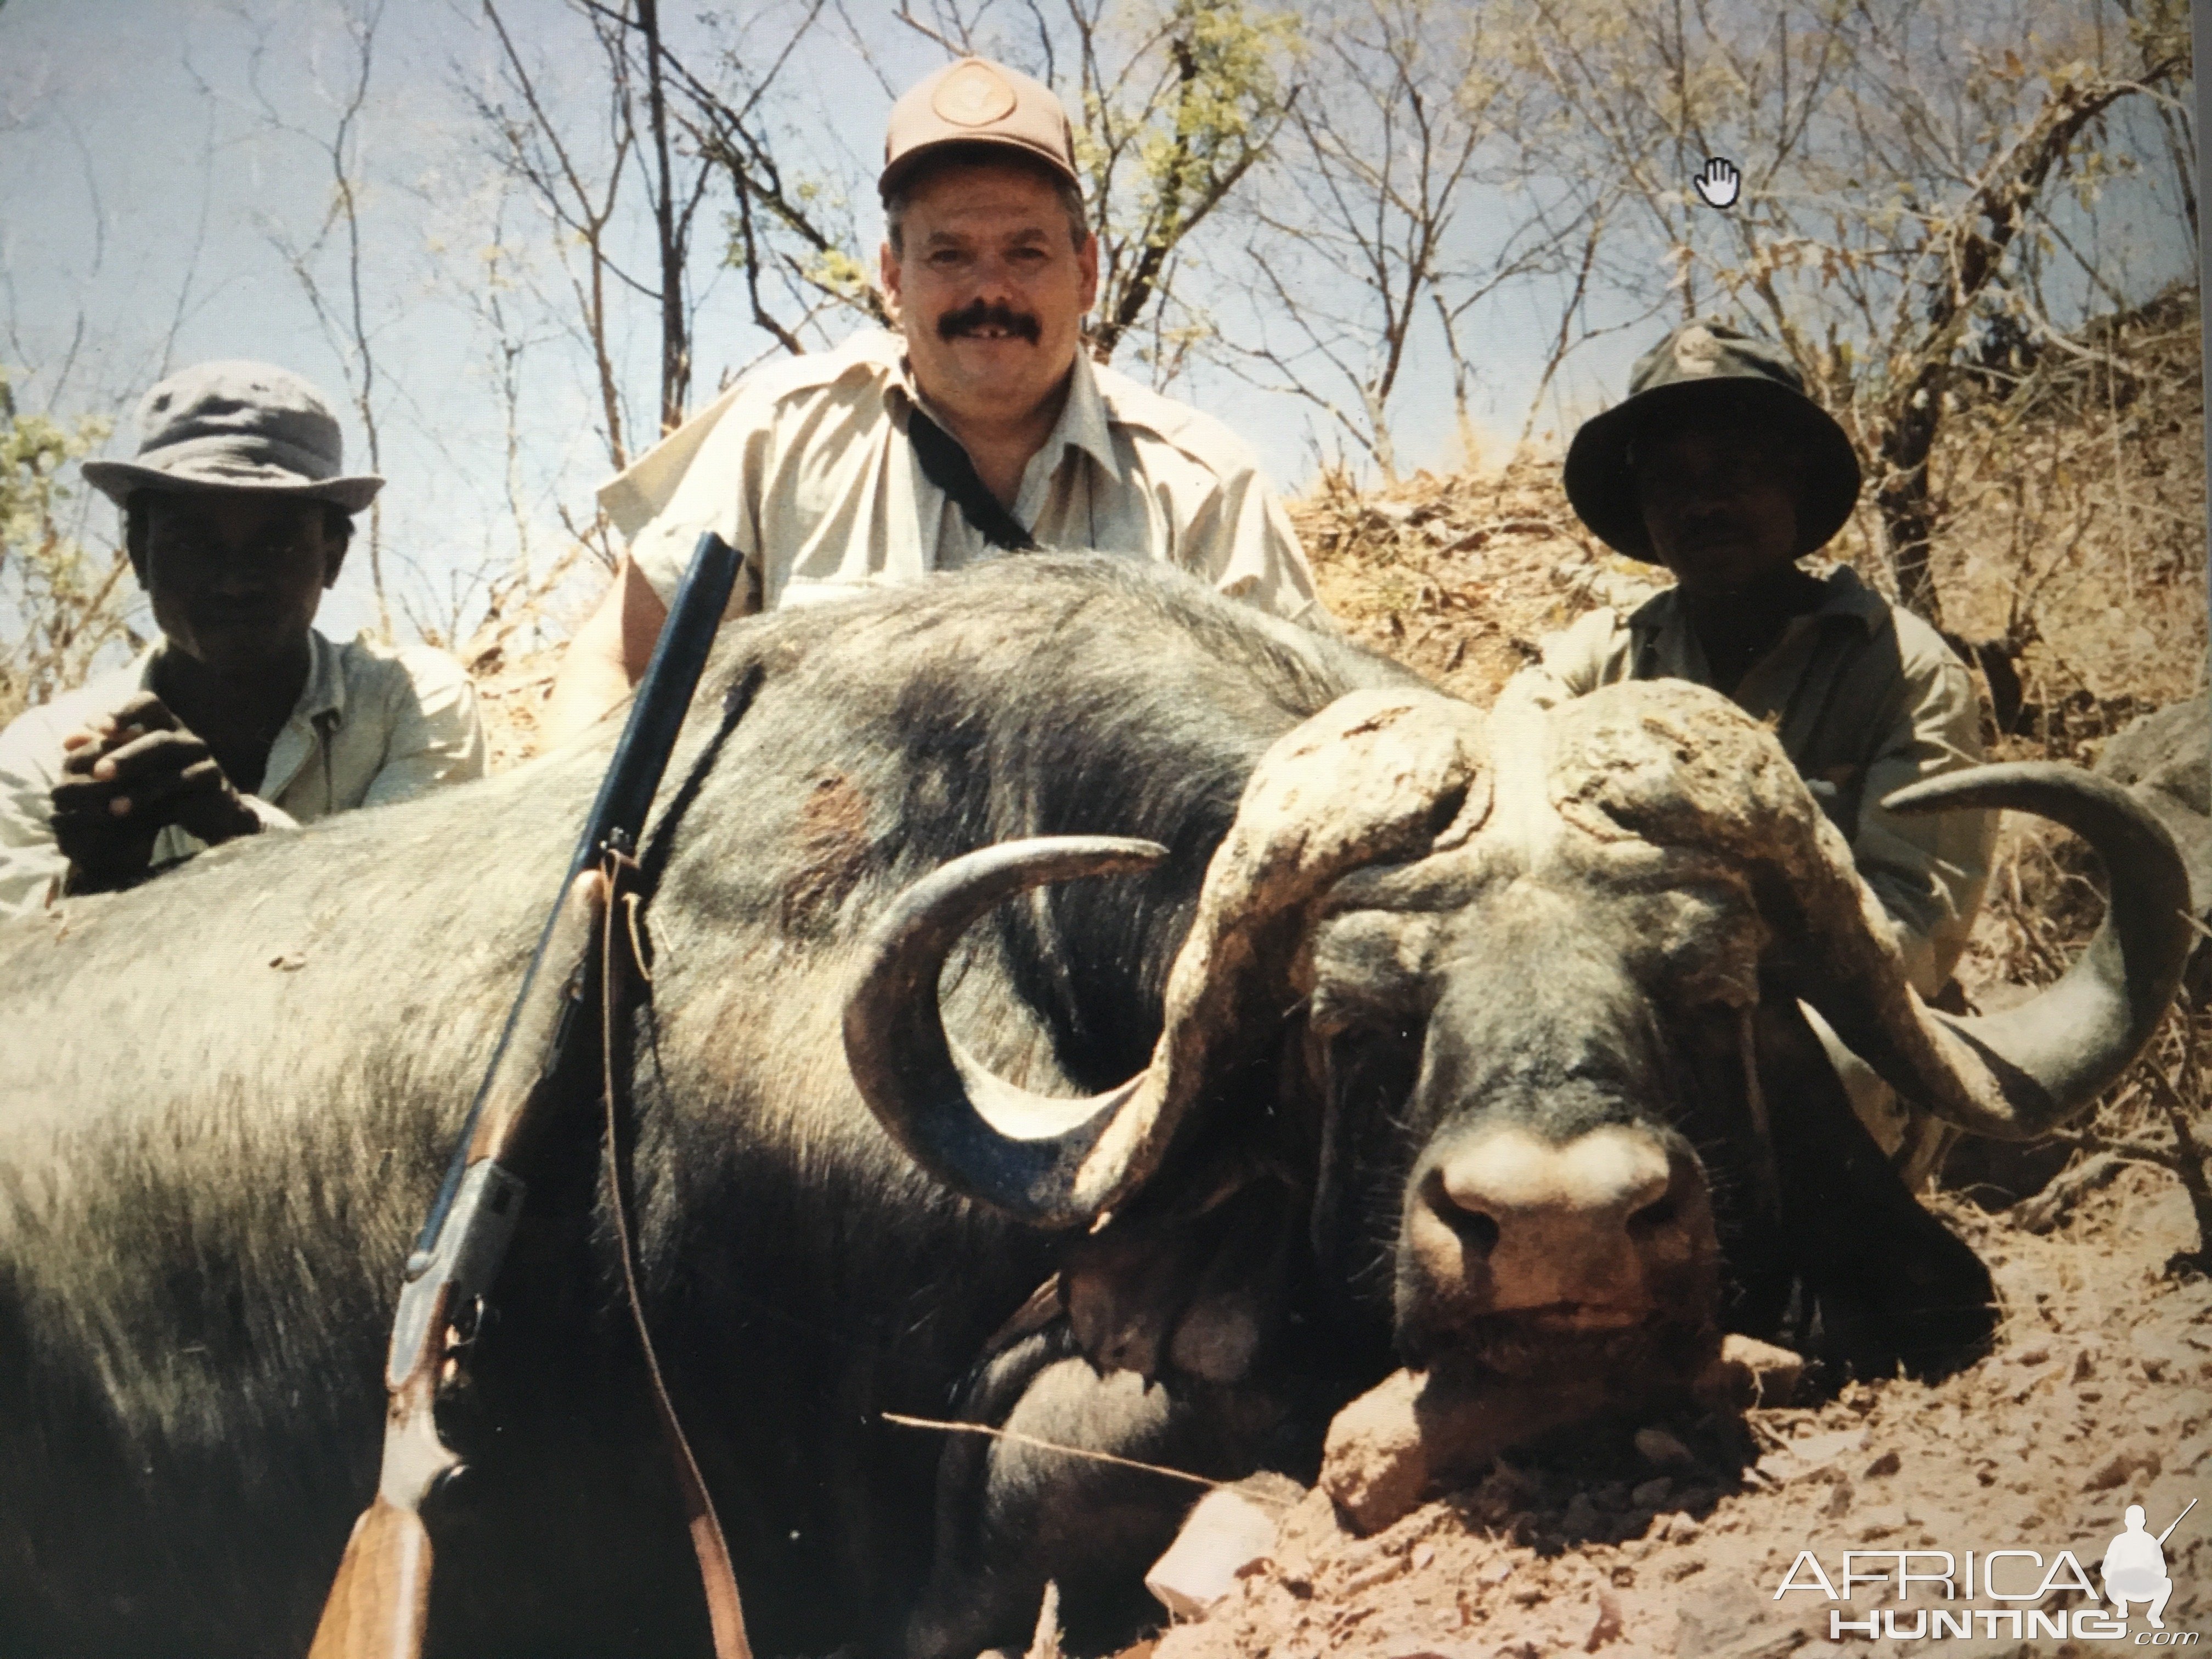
1374 1064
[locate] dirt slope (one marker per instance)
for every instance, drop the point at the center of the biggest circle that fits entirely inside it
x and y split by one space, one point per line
2096 1396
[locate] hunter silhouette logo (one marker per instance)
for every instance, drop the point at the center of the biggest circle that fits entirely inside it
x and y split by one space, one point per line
2135 1566
1930 1595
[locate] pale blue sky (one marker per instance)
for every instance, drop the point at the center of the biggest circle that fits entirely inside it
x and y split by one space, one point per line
144 189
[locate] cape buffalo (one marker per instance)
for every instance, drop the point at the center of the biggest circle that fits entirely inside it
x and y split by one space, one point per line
1384 1031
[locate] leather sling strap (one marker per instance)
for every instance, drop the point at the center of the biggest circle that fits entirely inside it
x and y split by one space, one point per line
725 1612
945 464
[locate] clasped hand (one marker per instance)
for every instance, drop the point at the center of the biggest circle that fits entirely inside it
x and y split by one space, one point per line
126 775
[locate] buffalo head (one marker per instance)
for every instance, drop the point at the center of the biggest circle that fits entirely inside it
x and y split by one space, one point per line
1537 980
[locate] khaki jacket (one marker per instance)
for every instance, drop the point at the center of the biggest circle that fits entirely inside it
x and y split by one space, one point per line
373 724
1865 698
804 468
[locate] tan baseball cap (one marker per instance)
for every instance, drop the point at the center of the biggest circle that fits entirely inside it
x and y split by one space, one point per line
977 102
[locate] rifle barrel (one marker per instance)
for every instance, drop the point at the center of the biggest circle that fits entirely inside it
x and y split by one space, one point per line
625 796
663 696
2177 1520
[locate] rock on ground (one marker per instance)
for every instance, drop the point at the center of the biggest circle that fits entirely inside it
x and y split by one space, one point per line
2098 1395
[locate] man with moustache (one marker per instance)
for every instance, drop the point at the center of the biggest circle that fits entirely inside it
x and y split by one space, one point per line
1718 467
237 513
980 428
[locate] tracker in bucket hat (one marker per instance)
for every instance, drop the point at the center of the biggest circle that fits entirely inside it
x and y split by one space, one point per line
1699 370
974 101
237 425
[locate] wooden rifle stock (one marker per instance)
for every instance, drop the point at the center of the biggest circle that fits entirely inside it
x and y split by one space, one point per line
378 1605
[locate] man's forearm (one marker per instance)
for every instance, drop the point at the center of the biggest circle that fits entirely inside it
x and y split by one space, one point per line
585 687
606 657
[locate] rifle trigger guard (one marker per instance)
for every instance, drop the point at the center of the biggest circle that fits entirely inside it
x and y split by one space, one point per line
462 1263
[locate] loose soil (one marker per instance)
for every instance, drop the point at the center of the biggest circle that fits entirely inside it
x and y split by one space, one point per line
2096 1396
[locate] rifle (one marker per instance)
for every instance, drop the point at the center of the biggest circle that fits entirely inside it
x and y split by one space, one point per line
379 1604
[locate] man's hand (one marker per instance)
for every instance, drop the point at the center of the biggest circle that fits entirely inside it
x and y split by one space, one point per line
125 776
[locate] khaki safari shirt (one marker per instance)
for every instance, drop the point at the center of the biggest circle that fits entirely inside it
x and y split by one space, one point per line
1863 696
804 468
373 724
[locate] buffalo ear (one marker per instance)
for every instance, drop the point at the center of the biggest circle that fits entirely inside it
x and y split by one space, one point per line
1891 1284
1197 1294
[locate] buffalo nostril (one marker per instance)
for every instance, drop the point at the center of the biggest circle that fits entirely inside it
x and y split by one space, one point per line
1471 1220
1656 1215
1480 1231
1573 1228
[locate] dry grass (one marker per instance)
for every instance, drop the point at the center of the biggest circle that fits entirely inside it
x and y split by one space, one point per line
1460 577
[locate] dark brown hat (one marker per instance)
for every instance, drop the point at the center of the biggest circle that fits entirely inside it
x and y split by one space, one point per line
977 102
1696 374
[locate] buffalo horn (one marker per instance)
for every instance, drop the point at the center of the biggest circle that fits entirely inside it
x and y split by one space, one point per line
945 1109
2021 1073
1377 776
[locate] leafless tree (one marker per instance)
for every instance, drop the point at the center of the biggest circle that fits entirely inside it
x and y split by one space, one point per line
791 235
1386 211
340 301
581 193
628 194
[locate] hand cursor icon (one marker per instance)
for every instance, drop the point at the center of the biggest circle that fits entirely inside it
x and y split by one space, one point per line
1718 182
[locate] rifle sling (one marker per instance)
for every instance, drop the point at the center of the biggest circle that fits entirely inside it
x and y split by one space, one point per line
725 1612
948 466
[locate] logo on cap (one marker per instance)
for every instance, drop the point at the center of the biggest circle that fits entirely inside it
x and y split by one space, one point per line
974 95
1696 352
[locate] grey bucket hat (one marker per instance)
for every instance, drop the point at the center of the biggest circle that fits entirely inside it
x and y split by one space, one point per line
1696 372
237 425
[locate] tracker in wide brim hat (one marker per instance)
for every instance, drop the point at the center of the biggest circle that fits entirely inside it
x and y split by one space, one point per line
237 425
1704 371
974 101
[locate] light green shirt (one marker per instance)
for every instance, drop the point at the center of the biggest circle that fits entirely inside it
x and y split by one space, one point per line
373 724
1865 698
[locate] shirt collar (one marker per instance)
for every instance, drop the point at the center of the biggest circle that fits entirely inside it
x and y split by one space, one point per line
1082 421
1083 418
1843 595
324 693
1847 596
